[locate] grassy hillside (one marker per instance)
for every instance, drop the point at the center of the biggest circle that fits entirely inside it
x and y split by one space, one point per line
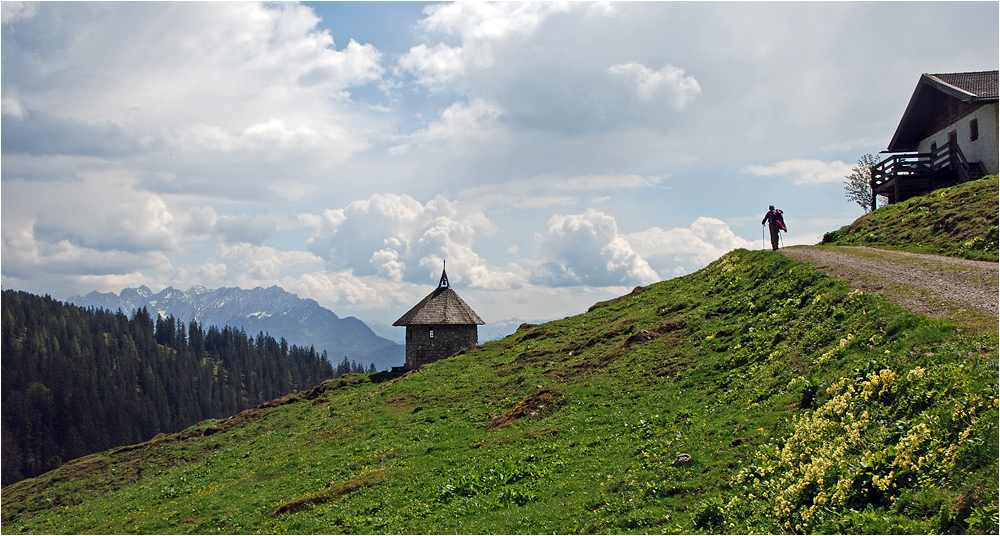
960 221
802 407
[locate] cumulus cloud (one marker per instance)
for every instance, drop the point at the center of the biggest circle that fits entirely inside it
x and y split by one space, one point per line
689 248
342 287
181 143
401 239
94 229
802 171
256 80
476 27
231 56
434 67
480 20
100 210
200 220
258 264
585 249
244 265
461 123
669 80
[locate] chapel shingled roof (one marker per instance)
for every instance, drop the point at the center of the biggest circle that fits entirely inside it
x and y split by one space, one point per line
442 307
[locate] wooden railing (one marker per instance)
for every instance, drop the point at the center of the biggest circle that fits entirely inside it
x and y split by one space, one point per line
907 167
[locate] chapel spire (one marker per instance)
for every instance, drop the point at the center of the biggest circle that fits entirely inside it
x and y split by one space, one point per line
444 277
441 325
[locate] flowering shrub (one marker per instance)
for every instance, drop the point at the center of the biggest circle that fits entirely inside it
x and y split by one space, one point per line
879 435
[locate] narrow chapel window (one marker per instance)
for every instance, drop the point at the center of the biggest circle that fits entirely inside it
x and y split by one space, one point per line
974 130
432 333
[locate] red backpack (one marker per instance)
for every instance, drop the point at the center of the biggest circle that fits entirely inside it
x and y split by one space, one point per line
779 219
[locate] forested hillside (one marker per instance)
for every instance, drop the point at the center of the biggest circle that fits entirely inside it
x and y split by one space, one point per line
77 381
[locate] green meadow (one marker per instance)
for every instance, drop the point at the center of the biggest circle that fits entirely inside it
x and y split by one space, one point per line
959 222
755 395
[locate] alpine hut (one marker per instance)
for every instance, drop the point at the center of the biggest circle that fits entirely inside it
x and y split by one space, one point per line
947 136
439 326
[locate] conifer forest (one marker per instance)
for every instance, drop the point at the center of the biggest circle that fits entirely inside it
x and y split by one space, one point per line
78 381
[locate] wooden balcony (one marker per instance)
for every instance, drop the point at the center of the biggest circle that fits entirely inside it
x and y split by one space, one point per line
907 175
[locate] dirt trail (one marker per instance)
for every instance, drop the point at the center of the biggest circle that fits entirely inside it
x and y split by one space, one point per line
931 285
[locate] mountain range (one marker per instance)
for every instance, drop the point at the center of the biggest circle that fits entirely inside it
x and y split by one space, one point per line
302 322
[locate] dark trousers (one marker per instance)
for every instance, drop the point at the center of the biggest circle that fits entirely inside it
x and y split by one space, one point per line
774 237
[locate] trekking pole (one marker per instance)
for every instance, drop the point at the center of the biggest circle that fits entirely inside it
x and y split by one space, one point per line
763 241
780 241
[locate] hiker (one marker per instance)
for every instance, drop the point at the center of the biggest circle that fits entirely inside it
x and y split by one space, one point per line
777 224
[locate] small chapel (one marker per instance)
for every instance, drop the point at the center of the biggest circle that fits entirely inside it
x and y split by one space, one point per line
441 325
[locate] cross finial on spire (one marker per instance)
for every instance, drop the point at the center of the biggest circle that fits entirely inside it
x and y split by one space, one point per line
444 277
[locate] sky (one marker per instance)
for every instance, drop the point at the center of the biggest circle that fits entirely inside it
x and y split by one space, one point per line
554 154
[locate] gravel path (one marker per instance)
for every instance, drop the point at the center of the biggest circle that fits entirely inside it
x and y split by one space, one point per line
931 285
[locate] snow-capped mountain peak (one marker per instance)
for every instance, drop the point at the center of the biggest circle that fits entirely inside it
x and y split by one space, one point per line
272 310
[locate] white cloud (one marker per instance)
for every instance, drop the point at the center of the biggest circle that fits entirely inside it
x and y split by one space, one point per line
181 143
477 26
253 82
92 230
200 220
588 183
803 171
99 210
461 123
335 289
13 11
218 61
244 265
649 83
481 21
255 265
401 239
434 67
585 249
706 240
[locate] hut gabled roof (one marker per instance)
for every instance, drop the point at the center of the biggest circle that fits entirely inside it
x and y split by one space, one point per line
441 307
930 103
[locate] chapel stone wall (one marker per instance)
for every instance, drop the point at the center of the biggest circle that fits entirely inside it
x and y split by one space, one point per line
448 340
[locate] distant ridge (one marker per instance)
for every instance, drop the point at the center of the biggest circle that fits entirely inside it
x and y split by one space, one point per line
272 310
